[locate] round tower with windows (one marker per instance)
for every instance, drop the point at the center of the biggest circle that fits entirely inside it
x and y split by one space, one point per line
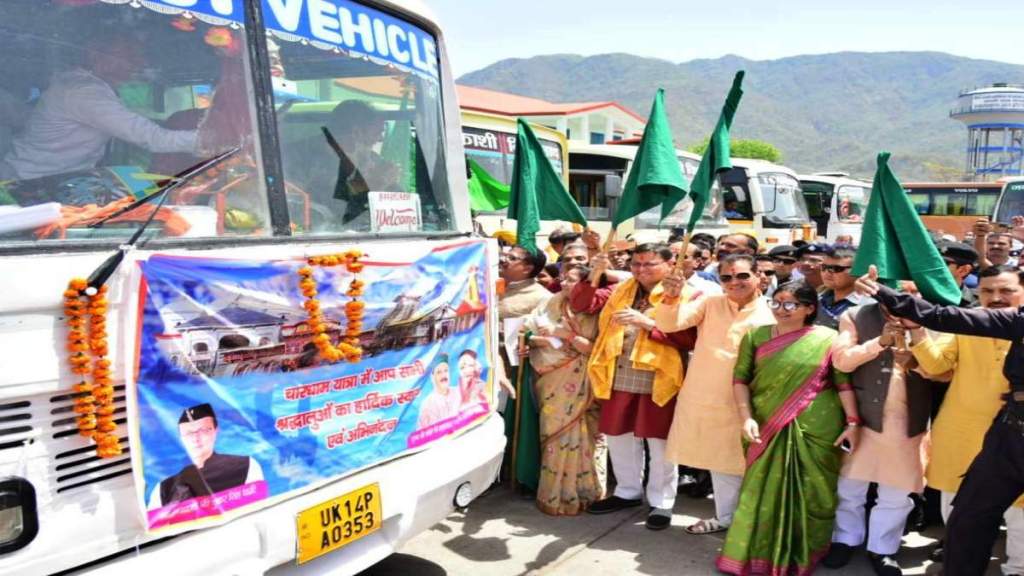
994 116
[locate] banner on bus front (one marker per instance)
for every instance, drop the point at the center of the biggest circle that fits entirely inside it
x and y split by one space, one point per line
236 408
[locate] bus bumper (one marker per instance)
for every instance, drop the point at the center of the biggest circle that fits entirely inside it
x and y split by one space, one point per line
417 491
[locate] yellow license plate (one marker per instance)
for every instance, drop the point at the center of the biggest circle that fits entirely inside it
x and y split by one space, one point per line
337 522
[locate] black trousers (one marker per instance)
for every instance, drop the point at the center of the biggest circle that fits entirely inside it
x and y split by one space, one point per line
993 482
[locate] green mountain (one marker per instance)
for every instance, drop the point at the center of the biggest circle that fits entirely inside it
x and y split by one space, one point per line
824 112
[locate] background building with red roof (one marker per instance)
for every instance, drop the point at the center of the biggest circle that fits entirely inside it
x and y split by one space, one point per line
587 122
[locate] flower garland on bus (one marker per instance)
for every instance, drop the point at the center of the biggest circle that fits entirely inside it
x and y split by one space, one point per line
87 348
348 348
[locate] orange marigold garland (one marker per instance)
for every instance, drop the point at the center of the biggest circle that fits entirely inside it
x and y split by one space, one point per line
87 349
348 348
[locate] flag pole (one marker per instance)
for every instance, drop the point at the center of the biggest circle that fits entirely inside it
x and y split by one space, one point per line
518 411
595 278
682 251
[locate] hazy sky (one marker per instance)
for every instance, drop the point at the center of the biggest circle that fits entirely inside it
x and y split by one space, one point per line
481 32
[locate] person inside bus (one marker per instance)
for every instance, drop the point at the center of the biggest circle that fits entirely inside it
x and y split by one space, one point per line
732 210
210 471
341 161
80 112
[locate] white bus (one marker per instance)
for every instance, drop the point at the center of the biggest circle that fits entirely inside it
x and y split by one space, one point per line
597 173
836 203
1011 201
765 198
300 131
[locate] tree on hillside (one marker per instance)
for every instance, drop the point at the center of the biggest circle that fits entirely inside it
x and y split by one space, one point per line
755 149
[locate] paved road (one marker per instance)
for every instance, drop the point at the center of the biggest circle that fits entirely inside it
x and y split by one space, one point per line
502 534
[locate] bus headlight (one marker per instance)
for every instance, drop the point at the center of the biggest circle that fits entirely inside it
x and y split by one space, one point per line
19 522
463 495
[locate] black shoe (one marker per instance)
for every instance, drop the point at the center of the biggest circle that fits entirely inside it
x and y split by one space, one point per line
701 487
612 504
885 565
938 554
658 521
839 555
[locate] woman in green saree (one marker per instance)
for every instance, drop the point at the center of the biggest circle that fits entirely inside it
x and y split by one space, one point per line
792 402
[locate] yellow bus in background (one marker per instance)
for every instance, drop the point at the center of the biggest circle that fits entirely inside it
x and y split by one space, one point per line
489 140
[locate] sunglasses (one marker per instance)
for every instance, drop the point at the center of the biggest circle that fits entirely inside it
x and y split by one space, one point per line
768 273
785 261
787 306
835 268
742 277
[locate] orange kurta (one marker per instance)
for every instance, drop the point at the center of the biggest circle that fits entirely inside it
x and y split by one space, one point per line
706 430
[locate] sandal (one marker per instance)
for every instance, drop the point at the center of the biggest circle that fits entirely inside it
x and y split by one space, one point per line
708 526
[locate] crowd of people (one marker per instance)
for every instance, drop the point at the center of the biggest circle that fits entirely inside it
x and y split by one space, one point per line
820 405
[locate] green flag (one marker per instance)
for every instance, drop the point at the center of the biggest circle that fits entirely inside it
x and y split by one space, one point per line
537 192
486 193
524 439
655 177
397 146
716 157
895 240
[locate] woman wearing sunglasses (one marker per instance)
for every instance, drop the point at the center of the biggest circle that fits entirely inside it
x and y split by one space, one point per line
792 402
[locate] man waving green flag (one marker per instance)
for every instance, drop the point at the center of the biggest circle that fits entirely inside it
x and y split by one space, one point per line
895 240
537 191
716 157
656 177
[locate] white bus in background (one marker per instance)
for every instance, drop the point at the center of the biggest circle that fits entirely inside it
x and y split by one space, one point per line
597 174
62 507
765 198
1011 201
836 203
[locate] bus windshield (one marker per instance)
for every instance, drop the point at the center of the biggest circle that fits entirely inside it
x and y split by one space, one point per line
851 203
353 132
713 215
1011 203
959 200
495 151
782 197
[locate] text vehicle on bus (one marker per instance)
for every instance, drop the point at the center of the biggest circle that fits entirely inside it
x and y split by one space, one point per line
245 325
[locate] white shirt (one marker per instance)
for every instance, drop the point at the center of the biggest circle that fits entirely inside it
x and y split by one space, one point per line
706 287
75 118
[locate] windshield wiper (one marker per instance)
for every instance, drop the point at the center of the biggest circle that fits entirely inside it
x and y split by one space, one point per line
174 182
355 179
105 270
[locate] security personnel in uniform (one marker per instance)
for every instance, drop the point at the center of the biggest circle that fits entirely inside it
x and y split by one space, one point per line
995 478
961 259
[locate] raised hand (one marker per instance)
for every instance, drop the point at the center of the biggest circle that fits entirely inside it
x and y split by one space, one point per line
868 283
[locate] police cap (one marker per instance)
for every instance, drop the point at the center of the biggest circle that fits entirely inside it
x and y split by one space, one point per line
784 250
957 251
816 248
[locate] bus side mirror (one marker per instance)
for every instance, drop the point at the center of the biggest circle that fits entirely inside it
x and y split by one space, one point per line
612 186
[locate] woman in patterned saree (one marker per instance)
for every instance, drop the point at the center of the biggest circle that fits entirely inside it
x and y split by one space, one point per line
570 474
792 402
